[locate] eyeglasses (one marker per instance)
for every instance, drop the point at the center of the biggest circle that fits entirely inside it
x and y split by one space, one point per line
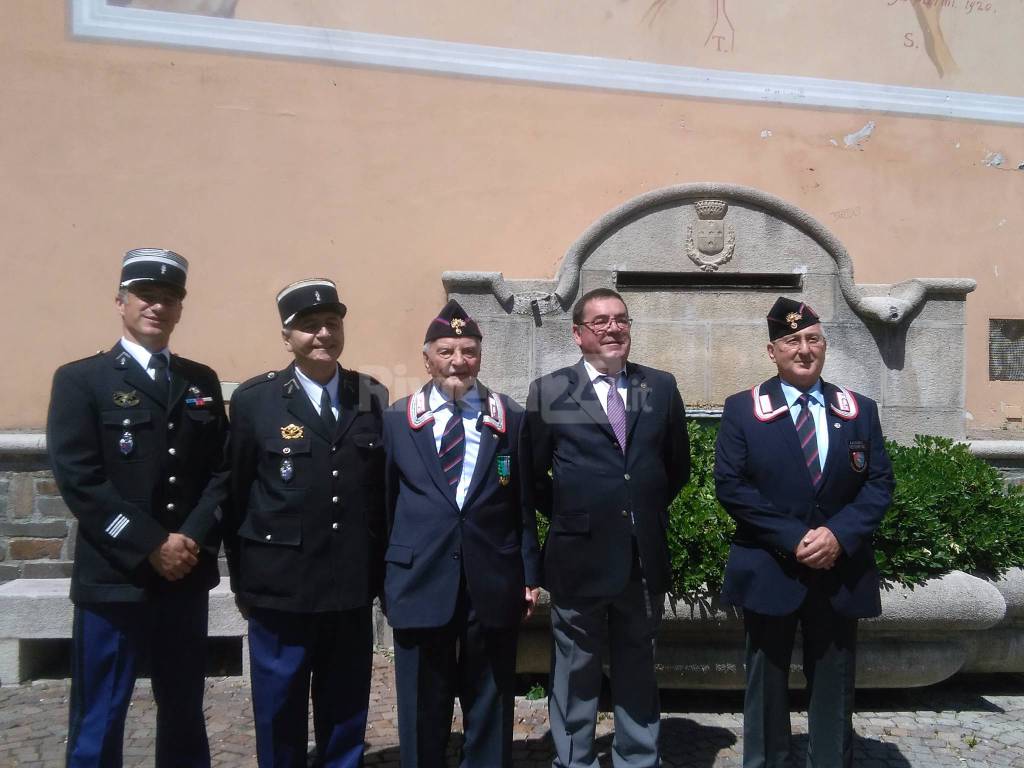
794 341
603 324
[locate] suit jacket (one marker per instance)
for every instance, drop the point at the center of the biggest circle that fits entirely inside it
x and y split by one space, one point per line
134 465
433 543
597 498
304 530
762 480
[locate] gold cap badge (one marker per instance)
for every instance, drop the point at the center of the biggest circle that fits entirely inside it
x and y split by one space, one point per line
291 432
793 318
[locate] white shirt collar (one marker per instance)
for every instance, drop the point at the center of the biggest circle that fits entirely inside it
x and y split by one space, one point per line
791 393
313 389
593 373
438 399
141 354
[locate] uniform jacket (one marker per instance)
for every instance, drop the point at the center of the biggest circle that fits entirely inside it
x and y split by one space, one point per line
133 466
433 542
597 498
762 480
304 529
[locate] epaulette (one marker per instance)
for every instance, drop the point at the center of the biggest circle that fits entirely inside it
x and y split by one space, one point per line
262 378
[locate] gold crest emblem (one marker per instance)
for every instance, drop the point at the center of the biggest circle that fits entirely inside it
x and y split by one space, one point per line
793 318
126 399
458 324
291 432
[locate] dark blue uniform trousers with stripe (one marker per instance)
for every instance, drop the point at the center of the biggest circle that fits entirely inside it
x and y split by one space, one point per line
290 652
109 641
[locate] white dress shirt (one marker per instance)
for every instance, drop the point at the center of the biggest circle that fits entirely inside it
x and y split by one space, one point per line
601 386
143 356
442 408
313 390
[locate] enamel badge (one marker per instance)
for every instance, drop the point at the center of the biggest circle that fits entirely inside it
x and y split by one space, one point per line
287 470
127 443
126 399
858 455
504 470
291 432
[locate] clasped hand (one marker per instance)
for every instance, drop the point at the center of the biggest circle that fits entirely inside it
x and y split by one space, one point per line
176 557
818 549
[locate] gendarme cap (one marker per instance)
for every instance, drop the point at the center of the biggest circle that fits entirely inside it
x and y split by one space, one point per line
315 294
154 265
787 316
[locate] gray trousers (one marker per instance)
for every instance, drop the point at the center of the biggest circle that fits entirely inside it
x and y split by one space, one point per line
629 621
829 643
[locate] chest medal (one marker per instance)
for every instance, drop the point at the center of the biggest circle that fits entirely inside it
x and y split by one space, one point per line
287 470
127 443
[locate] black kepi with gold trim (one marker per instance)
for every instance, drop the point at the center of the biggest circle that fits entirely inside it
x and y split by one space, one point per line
452 322
788 316
312 295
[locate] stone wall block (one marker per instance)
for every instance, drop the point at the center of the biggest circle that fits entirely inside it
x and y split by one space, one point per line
851 359
46 530
901 424
46 486
47 570
71 540
19 495
9 572
553 346
737 359
931 372
35 549
506 354
677 348
52 507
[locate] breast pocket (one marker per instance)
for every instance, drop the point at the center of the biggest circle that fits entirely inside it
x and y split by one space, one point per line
287 464
128 435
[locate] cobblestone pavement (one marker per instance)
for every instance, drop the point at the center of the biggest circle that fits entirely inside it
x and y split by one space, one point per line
969 723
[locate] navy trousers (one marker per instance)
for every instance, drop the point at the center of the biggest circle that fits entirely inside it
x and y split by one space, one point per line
290 653
109 640
465 659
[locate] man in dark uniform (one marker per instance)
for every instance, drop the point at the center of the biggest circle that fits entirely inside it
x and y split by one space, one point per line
462 561
305 533
136 438
801 465
608 451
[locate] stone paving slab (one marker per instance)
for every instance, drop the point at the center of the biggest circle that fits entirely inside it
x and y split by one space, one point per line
975 722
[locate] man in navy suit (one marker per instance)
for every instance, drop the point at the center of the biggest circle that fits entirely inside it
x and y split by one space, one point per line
304 535
801 465
136 436
608 451
462 563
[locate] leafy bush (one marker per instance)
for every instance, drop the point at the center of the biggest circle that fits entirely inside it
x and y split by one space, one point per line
950 511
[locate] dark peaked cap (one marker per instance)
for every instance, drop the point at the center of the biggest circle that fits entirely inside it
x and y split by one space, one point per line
452 323
787 316
154 265
315 294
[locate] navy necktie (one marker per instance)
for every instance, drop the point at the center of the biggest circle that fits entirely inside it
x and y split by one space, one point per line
158 364
453 447
326 413
808 438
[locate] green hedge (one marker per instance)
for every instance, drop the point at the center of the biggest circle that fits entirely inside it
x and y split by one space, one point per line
951 511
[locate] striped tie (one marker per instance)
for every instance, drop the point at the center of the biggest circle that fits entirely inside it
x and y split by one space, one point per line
808 439
453 446
616 412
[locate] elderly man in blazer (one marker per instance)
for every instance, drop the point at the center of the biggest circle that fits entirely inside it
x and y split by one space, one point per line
607 449
462 563
800 463
305 534
136 436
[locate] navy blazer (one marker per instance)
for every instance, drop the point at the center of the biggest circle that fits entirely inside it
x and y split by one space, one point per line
433 543
134 465
304 526
762 480
597 498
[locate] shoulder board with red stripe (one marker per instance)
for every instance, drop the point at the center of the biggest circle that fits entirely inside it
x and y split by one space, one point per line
417 411
763 410
844 404
495 418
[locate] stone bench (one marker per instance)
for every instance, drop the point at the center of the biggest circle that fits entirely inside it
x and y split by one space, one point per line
33 611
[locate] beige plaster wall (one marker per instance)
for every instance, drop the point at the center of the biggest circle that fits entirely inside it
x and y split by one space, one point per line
263 171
